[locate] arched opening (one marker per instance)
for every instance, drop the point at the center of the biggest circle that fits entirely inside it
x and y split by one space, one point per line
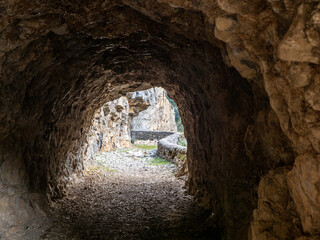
248 100
54 137
130 188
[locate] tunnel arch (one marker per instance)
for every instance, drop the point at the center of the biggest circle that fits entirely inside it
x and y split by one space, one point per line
60 62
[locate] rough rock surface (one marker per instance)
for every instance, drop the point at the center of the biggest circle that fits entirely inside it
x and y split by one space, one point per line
113 122
159 116
245 75
304 182
276 216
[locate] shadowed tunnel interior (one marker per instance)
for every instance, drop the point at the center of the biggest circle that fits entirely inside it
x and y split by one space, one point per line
60 61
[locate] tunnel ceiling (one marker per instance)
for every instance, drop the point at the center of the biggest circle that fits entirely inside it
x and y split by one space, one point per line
244 74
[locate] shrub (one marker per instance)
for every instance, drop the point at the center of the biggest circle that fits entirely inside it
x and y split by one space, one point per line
182 157
177 114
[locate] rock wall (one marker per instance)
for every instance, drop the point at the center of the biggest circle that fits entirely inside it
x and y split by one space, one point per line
245 75
159 116
22 213
276 216
112 121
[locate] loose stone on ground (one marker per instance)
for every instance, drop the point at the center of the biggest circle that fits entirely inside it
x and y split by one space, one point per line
129 194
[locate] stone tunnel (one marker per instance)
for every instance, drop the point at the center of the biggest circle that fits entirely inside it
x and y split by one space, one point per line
245 75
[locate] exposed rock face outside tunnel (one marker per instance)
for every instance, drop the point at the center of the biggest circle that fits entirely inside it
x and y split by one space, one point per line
245 76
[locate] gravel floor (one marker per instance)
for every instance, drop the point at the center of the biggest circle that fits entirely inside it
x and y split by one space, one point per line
128 194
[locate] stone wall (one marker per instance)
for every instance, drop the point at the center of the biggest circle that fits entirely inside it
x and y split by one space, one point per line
149 135
169 149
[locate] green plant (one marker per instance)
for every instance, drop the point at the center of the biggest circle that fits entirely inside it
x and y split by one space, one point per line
122 150
158 161
177 114
107 169
182 156
145 147
100 168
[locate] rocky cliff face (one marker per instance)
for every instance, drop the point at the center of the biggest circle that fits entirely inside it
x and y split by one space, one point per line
147 110
245 75
159 116
110 124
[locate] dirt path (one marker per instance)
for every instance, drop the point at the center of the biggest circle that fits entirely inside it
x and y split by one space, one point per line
129 194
